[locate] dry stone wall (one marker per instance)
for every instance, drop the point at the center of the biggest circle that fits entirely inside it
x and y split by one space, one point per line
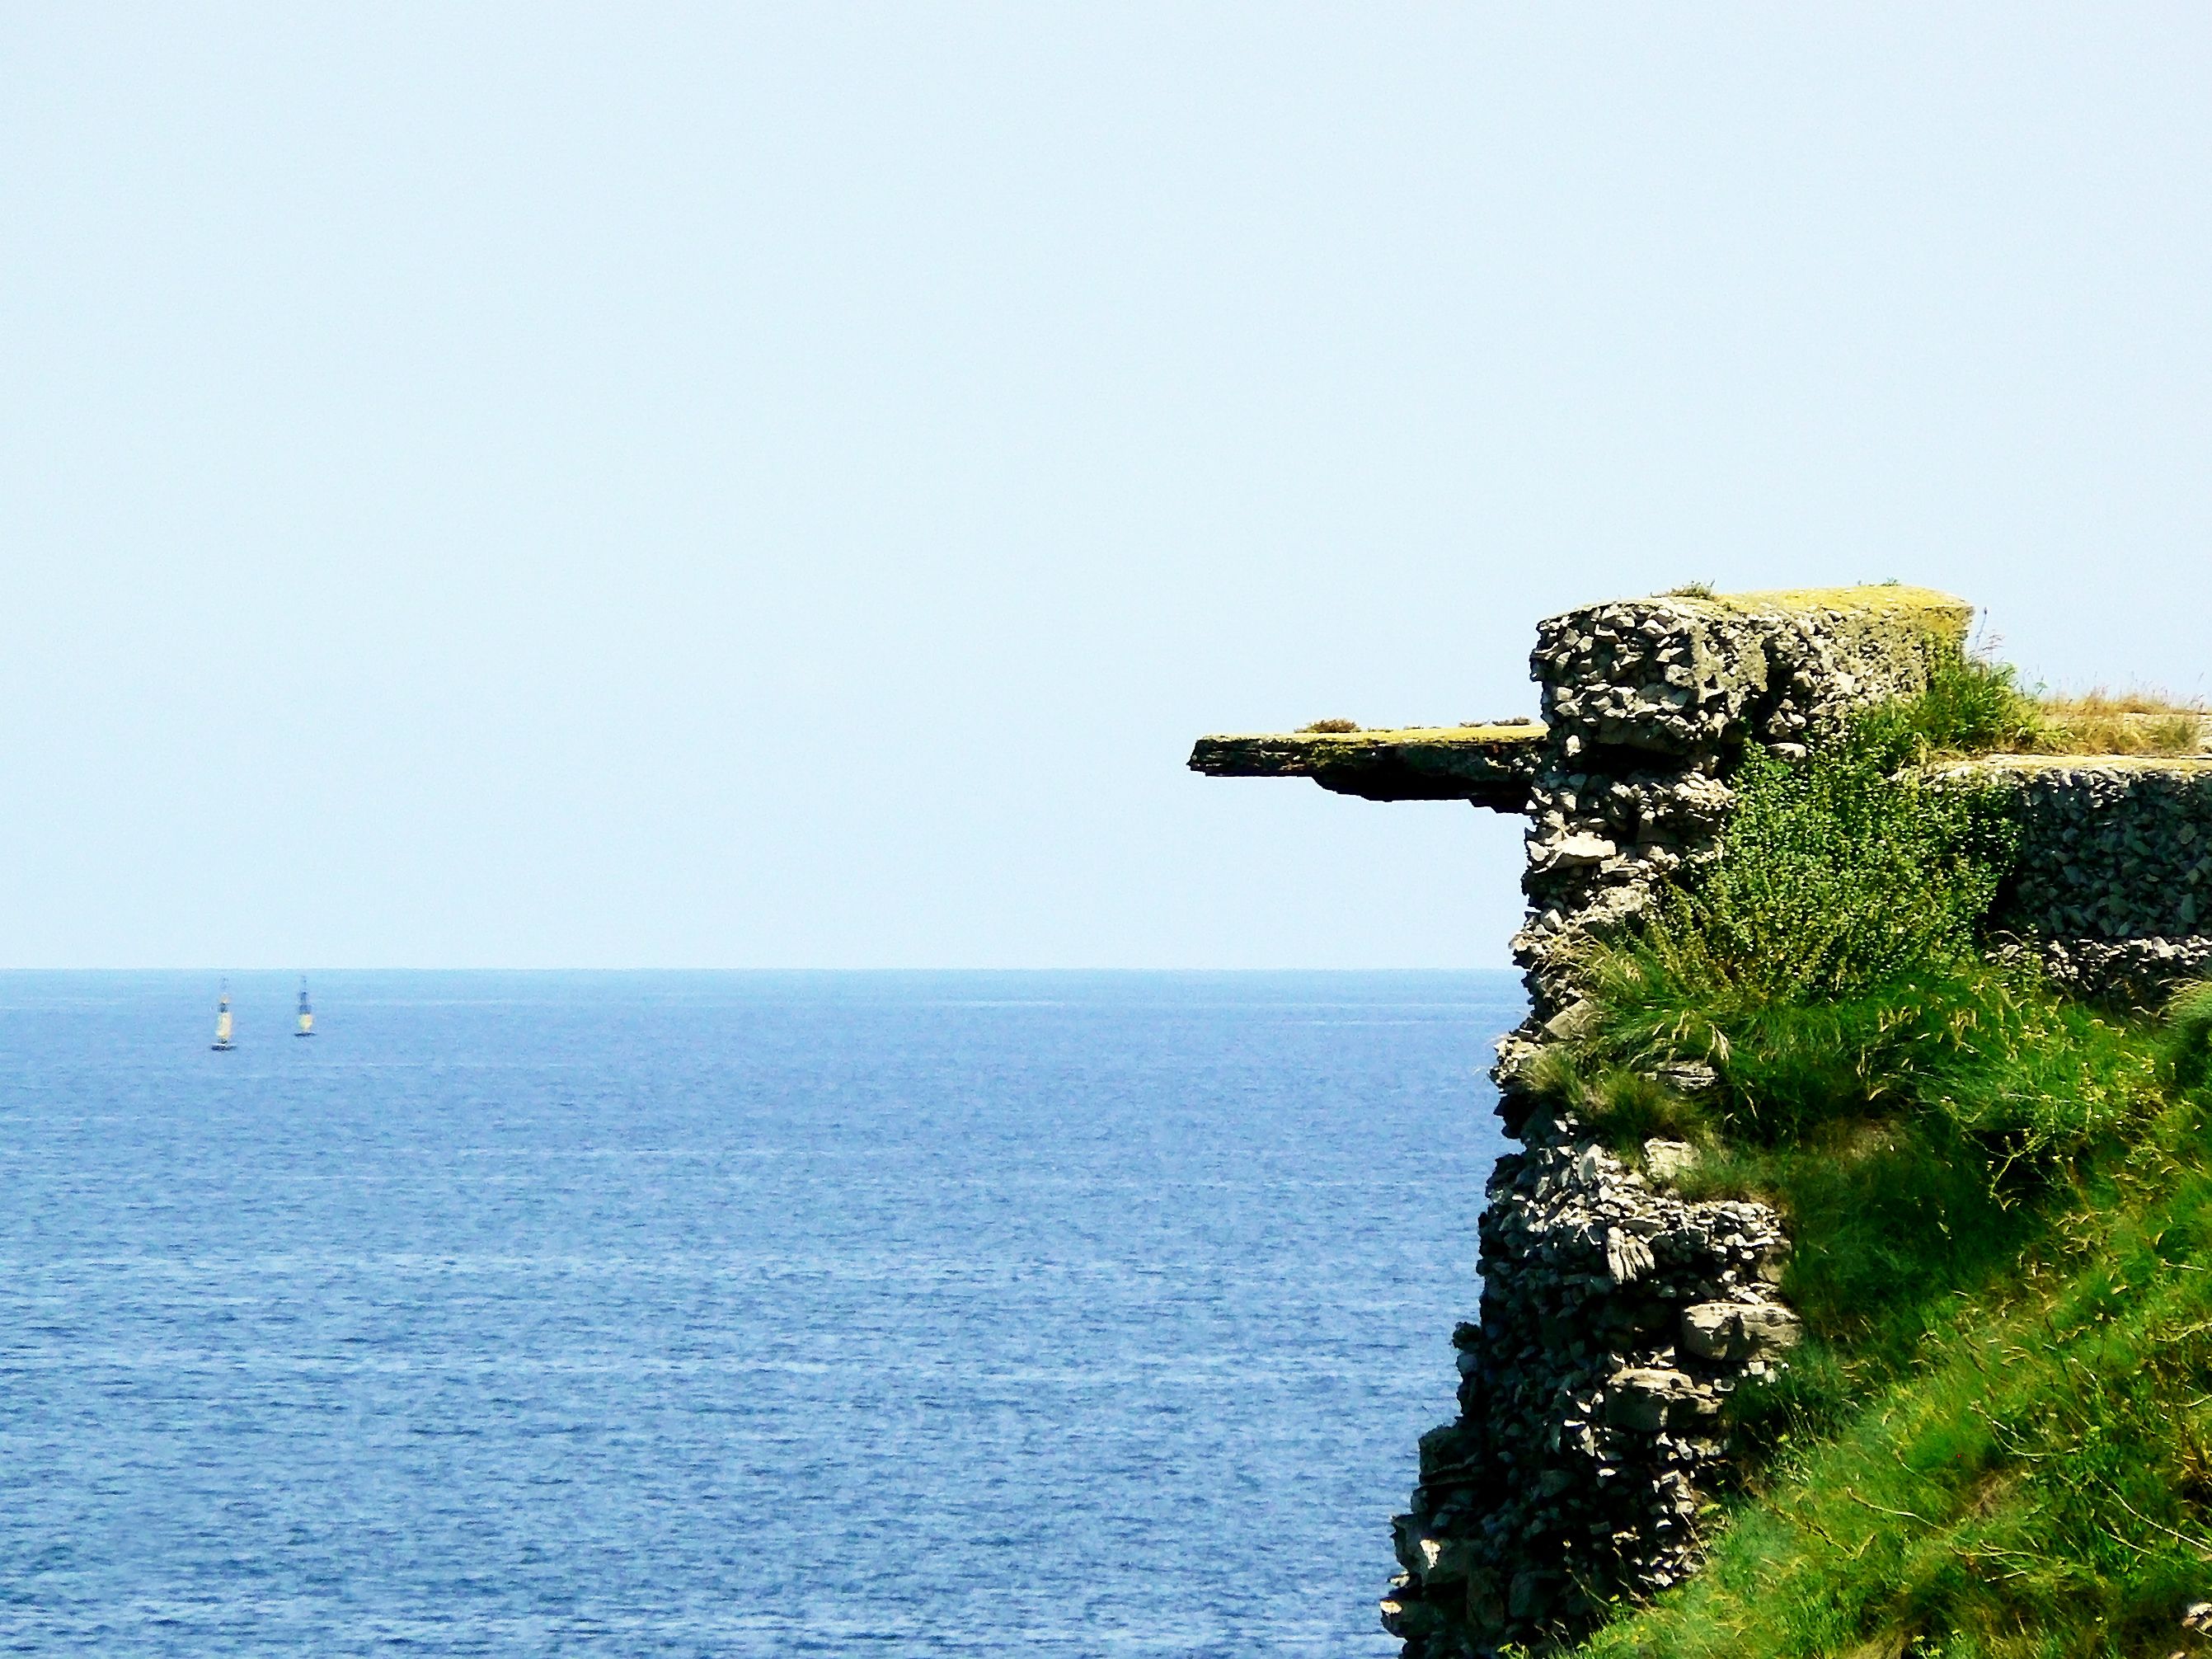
1616 1319
1616 1316
2113 883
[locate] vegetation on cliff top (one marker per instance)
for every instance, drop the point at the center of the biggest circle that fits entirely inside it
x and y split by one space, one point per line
1974 706
1997 1438
2127 723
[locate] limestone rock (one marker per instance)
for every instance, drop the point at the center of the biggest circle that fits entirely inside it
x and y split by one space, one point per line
1650 1398
1732 1330
1664 1160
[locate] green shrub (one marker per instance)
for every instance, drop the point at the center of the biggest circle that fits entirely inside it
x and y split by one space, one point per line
1839 875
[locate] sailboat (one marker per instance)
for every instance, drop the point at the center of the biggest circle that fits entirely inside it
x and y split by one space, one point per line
223 1022
306 1014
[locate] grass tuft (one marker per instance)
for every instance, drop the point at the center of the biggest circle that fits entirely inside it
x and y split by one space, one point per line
1973 705
2123 723
2189 1036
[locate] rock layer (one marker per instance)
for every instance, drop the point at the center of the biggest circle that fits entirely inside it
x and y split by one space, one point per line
1487 764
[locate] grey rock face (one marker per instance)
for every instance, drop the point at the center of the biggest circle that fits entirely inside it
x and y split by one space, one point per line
2139 973
1588 1412
1679 677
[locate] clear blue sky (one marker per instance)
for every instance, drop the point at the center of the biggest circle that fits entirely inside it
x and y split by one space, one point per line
778 486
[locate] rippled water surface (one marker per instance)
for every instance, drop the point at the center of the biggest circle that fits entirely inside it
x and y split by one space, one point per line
742 1315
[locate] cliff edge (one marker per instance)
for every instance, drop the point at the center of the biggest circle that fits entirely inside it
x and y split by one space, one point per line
1847 1023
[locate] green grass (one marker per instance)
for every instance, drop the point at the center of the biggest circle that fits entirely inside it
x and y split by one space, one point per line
1973 706
2189 1039
2036 1481
1976 706
1997 1438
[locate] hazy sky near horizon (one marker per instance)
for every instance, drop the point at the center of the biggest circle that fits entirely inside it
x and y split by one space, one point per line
544 485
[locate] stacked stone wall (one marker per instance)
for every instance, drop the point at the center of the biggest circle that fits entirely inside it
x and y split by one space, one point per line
1616 1319
2112 886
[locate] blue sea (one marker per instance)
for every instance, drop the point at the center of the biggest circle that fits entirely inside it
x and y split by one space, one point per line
641 1314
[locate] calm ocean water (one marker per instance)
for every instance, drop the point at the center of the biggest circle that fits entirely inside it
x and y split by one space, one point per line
728 1314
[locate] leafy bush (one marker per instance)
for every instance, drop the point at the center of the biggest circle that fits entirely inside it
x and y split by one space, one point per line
1837 878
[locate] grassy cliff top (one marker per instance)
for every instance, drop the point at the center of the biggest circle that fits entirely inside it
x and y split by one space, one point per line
1941 612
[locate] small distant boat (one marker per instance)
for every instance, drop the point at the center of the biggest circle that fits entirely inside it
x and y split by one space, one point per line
306 1014
223 1041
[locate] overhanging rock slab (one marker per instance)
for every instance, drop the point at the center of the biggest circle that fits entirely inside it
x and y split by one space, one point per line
1489 765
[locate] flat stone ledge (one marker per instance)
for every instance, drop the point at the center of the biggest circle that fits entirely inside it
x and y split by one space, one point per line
1488 765
2008 766
1943 614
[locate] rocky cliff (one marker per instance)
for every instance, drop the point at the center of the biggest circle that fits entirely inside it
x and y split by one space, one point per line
1617 1316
